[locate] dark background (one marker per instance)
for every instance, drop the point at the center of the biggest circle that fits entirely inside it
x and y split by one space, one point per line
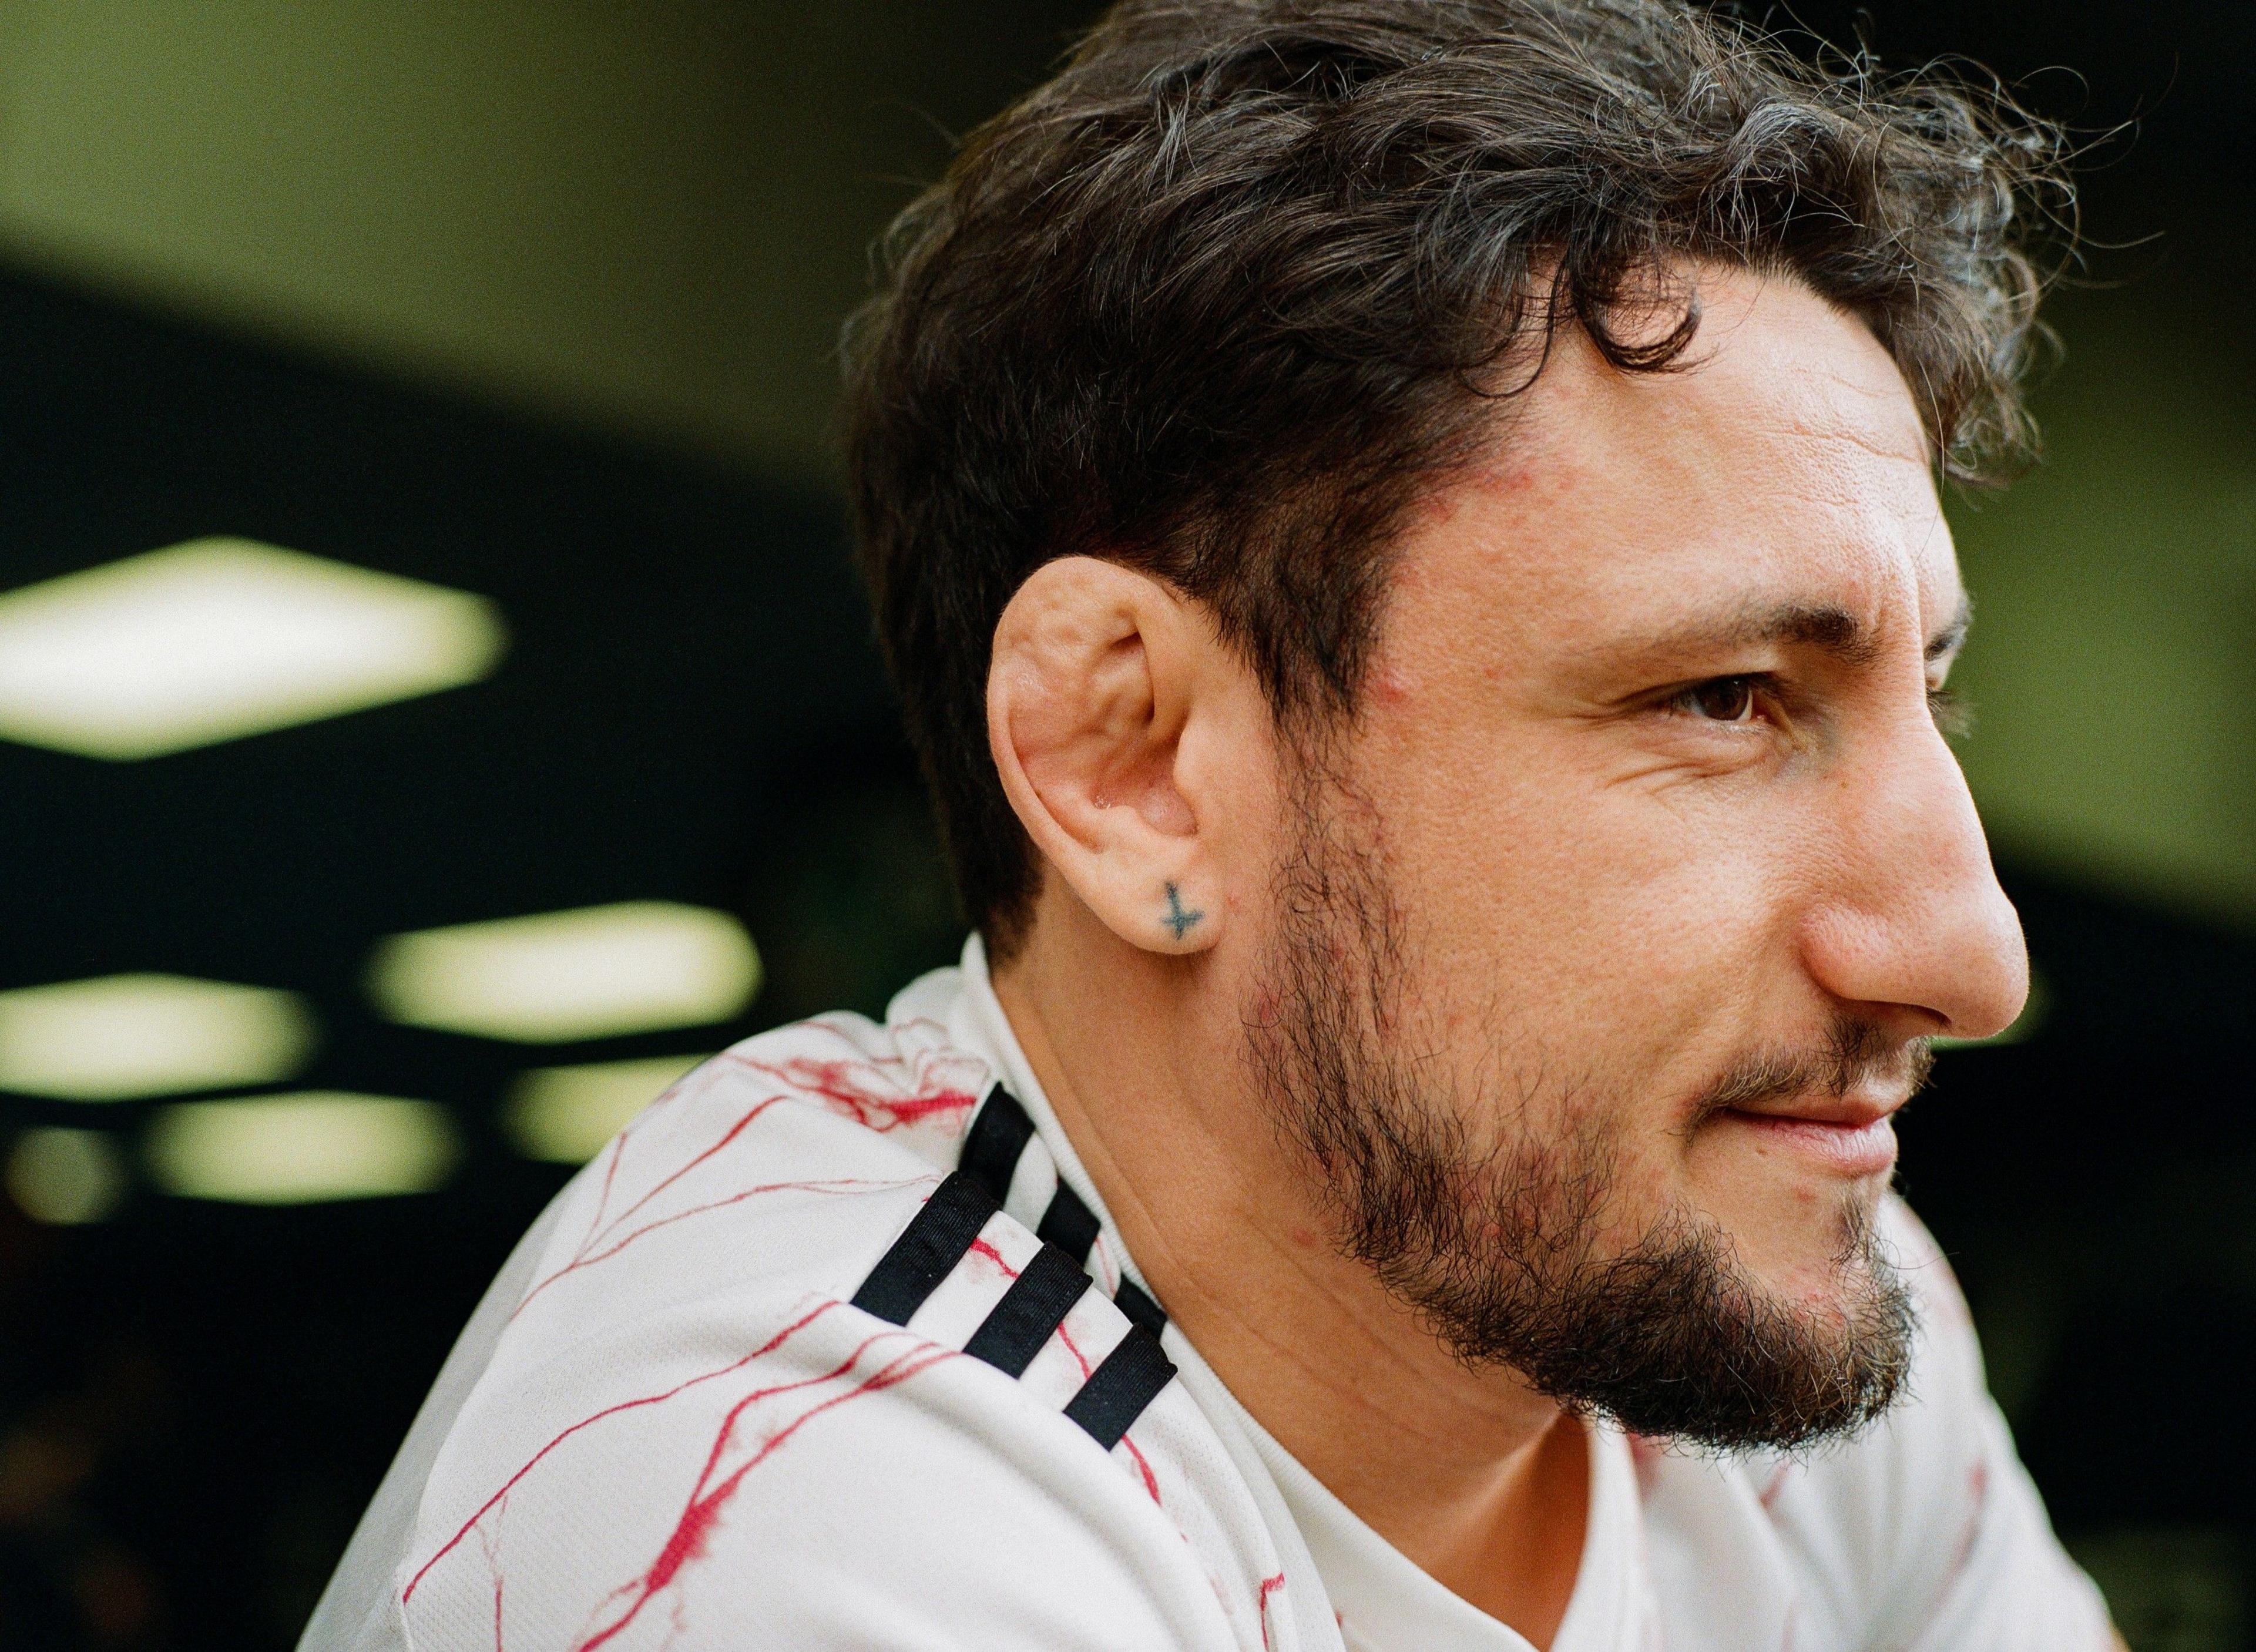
197 1399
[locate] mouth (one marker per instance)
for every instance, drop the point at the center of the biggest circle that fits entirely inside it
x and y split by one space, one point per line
1846 1136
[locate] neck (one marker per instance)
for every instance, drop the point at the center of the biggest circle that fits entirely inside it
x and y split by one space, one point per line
1479 1481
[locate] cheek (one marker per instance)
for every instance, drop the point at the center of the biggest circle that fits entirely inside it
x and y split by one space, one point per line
1629 941
1596 957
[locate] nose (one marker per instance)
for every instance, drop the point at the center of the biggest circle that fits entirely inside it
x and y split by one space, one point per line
1914 930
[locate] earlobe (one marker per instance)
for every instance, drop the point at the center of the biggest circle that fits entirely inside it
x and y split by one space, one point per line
1096 676
1180 920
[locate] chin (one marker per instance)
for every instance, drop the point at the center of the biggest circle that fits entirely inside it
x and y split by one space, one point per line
1814 1257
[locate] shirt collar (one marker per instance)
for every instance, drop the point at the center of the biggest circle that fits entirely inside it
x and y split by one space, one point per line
1370 1580
962 999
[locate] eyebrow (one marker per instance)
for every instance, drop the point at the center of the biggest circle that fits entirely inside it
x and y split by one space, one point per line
1825 626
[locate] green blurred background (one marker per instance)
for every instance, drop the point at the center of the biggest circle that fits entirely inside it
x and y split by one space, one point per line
539 301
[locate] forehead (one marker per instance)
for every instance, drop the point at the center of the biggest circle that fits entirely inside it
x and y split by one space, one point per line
1783 462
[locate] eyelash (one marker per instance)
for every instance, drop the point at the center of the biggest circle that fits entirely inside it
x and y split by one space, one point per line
1951 713
1946 706
1751 688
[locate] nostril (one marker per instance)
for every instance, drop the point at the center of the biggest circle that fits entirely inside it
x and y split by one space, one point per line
2036 1003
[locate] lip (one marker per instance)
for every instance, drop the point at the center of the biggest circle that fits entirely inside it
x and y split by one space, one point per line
1849 1141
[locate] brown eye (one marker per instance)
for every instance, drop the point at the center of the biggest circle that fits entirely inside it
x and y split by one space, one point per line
1721 700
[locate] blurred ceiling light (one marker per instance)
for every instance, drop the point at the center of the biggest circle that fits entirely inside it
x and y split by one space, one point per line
123 1035
66 1176
296 1149
221 638
566 1114
560 976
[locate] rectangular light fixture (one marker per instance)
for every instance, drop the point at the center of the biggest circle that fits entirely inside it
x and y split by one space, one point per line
221 638
299 1149
66 1177
564 1115
557 977
119 1036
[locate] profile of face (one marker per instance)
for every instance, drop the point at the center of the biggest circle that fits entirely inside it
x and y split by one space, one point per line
1578 971
1609 934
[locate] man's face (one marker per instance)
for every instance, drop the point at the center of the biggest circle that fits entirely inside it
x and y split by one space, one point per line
1643 869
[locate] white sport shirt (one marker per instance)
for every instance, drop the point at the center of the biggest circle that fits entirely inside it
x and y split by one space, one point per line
835 1347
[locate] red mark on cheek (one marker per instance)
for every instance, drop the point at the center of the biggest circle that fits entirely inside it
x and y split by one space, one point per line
1526 473
1391 687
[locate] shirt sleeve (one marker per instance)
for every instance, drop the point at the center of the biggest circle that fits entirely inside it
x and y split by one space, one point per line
1958 1553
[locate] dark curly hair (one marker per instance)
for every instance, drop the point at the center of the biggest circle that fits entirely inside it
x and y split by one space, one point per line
1220 299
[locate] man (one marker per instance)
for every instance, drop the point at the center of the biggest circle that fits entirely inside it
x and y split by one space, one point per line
1407 533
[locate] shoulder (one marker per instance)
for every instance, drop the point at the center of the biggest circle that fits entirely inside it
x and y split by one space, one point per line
785 1164
796 1475
690 1430
905 1080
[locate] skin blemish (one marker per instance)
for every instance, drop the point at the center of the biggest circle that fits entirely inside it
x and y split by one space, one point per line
1176 919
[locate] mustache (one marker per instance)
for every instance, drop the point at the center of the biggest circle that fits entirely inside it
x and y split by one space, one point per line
1855 1054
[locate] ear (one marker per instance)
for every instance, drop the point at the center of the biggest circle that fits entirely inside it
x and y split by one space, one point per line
1109 699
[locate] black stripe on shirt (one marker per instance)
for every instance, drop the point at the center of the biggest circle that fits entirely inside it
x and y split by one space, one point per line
1031 1311
937 1238
991 1147
1000 1132
1116 1392
1068 1224
1137 1302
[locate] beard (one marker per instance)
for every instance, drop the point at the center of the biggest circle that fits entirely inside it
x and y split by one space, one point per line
1512 1248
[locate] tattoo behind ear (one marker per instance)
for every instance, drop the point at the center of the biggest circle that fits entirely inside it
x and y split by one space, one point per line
1176 918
